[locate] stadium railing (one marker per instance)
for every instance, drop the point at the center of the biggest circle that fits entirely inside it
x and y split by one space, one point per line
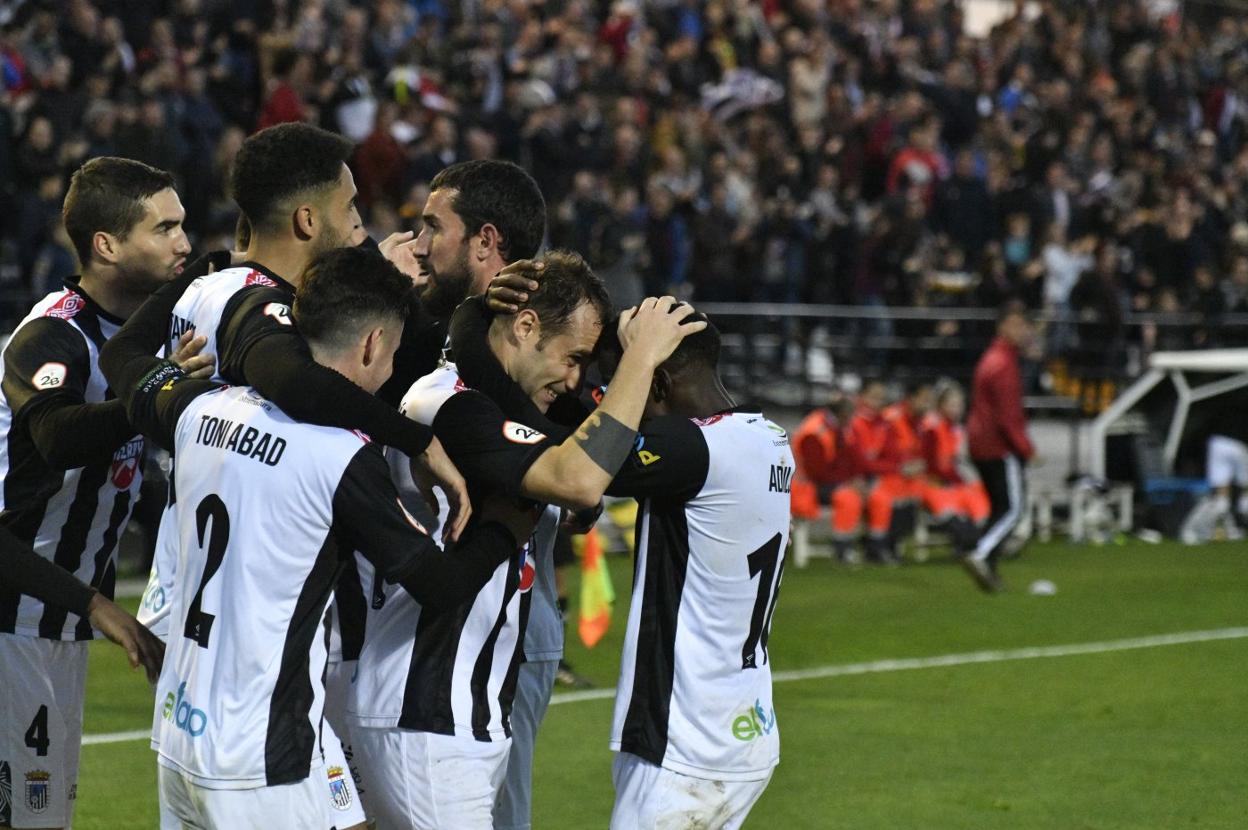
794 354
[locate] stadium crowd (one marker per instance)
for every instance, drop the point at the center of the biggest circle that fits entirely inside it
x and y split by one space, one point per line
854 151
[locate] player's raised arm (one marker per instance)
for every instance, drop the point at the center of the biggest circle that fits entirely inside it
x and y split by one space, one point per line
576 473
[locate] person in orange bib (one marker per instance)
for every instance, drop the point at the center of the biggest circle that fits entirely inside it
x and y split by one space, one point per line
881 467
826 474
944 447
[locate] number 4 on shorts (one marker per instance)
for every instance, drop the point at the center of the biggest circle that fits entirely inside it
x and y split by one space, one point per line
37 734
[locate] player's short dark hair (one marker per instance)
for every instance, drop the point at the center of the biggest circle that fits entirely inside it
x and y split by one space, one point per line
107 194
567 281
498 193
697 350
700 349
344 290
282 162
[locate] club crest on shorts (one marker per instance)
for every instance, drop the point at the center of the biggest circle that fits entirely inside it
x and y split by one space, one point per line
37 790
339 792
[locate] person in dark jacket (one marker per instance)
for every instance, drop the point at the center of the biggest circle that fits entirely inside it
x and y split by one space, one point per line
997 440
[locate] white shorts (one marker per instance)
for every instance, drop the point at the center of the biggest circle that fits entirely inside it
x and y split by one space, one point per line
649 797
341 785
1227 462
194 807
42 685
423 781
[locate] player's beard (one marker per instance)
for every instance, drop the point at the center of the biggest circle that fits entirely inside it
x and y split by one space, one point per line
447 288
330 240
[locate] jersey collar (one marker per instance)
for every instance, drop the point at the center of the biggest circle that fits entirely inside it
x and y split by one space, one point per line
72 284
255 266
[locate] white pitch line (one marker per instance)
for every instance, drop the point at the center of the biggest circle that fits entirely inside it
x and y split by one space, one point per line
116 737
878 666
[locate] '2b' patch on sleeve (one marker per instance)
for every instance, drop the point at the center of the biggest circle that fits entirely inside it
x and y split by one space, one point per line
520 434
49 376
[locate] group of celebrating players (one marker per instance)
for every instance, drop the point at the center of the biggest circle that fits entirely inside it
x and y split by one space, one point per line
326 661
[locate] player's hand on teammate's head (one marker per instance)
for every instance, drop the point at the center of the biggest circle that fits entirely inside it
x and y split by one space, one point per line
400 249
142 647
189 358
656 327
434 467
510 288
518 517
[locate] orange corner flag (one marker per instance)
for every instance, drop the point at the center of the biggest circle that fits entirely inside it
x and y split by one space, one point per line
597 594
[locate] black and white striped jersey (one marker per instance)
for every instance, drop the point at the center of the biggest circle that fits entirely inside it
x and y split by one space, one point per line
73 517
694 694
453 671
210 304
268 510
208 307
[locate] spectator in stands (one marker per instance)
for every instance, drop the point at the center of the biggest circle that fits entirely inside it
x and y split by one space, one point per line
292 71
997 438
821 126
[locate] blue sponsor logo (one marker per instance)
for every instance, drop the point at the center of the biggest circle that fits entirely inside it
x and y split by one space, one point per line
179 711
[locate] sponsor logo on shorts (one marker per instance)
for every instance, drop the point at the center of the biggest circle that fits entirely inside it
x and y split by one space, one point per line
37 790
6 794
755 723
179 711
339 791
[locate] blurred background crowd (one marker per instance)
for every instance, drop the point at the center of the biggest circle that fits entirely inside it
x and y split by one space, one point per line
1086 157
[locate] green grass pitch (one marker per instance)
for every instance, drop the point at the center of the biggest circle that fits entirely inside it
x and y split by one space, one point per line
1145 738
